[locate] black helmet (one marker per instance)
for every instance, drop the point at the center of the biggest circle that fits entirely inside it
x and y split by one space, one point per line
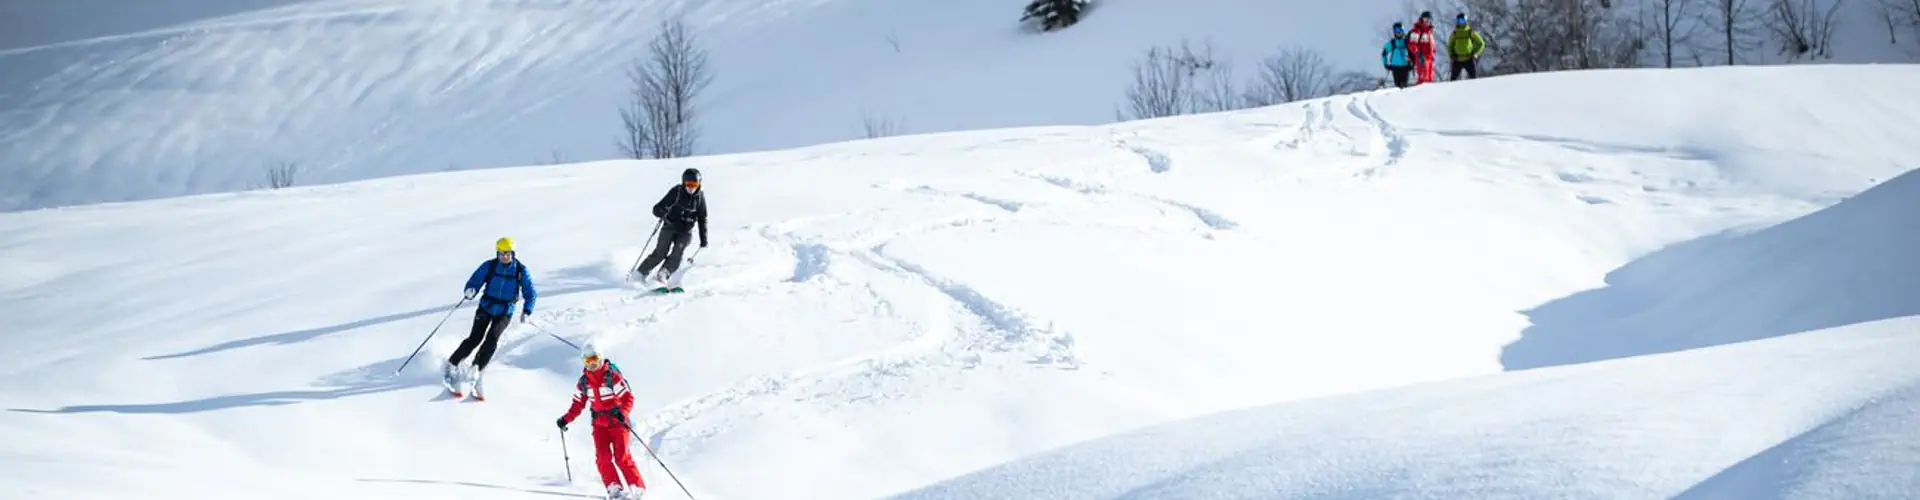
690 175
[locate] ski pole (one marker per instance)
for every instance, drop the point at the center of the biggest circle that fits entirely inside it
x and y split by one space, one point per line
564 455
656 457
555 337
436 329
643 246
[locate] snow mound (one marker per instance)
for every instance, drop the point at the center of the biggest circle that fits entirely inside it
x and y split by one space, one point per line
1819 415
1846 264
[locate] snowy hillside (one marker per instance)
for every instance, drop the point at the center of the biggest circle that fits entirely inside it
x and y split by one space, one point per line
876 316
110 101
1820 415
1816 414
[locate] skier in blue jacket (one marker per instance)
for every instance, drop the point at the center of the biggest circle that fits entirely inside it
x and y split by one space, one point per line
505 281
1395 56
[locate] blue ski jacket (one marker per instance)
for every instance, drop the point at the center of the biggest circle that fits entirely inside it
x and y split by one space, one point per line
1394 54
503 282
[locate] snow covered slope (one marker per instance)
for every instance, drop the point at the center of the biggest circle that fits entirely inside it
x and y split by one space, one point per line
1819 415
875 316
105 100
353 89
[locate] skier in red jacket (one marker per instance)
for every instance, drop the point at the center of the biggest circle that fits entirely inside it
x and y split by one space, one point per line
603 390
1422 45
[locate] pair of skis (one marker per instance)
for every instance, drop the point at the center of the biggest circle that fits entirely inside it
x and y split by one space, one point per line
672 283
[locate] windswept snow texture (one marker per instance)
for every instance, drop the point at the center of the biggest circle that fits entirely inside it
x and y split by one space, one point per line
112 100
875 316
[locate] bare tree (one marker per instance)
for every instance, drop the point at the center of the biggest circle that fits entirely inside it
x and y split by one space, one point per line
1216 91
1295 74
1804 28
1890 15
1735 22
1355 81
1900 14
281 174
1526 36
1673 29
878 126
1165 82
660 115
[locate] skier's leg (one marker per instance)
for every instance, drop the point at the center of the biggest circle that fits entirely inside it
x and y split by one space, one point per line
659 251
473 337
603 439
497 325
680 240
623 459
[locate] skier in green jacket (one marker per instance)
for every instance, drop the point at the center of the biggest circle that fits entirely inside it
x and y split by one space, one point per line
1464 47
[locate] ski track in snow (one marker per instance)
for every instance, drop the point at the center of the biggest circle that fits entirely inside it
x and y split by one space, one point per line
996 329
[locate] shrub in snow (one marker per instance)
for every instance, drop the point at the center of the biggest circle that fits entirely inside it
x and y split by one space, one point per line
1054 14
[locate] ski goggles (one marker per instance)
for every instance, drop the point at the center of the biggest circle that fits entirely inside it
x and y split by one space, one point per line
591 359
691 184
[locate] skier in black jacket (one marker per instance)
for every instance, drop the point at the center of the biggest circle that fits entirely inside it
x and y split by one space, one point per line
680 210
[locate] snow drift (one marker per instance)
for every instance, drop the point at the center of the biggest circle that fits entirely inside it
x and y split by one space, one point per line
1847 264
1818 415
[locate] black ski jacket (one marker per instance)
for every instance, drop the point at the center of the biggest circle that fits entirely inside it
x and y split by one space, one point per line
681 209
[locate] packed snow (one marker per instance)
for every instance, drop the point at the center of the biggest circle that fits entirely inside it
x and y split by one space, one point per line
874 317
105 100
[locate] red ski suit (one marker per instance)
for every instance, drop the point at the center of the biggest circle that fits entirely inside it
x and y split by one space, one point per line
605 391
1422 47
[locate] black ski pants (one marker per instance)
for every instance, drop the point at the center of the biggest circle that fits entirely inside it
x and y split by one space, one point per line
1400 75
485 335
673 244
1468 65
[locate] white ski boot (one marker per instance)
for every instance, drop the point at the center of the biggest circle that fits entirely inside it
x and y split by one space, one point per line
450 378
477 395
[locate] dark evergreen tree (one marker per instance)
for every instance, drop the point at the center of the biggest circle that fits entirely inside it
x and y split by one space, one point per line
1055 14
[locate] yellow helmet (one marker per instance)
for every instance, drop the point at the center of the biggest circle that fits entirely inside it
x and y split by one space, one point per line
503 245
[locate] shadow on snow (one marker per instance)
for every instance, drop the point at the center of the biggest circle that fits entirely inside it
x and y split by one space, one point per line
1848 263
572 280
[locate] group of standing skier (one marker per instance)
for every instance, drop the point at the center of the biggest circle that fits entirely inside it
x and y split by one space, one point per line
502 281
1412 54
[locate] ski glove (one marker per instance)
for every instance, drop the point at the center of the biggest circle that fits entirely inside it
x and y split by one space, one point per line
562 422
472 292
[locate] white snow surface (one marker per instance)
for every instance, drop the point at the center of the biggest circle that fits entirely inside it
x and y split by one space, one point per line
112 100
875 317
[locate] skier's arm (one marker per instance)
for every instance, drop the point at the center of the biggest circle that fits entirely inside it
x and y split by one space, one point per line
625 398
660 208
526 289
579 400
479 273
1479 44
700 219
1385 49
